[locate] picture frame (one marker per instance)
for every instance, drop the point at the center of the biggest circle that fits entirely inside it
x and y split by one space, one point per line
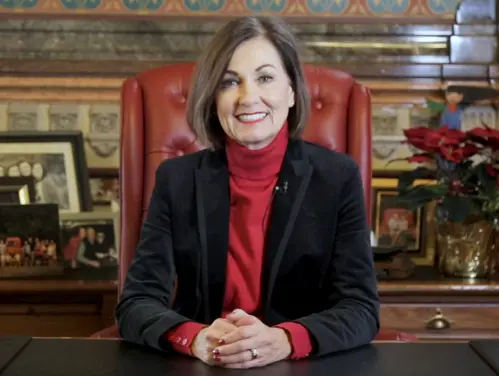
104 186
17 190
56 159
30 244
95 257
394 224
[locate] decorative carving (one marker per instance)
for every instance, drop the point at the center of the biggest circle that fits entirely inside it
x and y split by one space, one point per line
143 4
391 6
14 4
324 6
443 6
204 5
266 5
81 4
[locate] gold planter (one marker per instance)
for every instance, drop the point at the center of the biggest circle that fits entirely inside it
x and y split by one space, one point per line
466 250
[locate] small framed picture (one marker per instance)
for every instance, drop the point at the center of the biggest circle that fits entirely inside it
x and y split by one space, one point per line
30 241
90 244
17 190
56 160
396 225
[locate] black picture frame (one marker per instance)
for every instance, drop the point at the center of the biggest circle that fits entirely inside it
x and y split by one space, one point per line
75 140
30 243
14 186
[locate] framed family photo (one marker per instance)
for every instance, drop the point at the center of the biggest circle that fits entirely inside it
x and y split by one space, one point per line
30 244
396 225
17 190
90 243
56 161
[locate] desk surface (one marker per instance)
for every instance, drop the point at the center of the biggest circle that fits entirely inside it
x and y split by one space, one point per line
86 357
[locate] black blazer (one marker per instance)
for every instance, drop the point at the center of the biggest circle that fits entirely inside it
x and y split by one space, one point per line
318 266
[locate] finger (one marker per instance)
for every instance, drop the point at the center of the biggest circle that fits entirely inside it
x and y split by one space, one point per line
246 320
236 315
242 332
240 357
214 335
224 325
218 329
237 347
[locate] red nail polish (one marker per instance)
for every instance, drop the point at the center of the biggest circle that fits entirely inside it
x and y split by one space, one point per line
216 357
216 352
221 342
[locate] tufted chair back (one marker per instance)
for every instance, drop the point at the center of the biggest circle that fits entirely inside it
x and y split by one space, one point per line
154 128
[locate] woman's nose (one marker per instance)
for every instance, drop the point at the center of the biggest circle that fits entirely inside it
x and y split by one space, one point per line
248 94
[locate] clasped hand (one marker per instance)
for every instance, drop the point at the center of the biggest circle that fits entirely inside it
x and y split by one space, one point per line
229 342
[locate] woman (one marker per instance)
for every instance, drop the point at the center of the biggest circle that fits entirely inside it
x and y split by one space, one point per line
256 249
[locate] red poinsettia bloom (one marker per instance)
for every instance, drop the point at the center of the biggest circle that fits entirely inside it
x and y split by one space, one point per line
459 154
485 136
433 140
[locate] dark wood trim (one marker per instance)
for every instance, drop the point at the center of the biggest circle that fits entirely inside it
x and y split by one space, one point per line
127 68
103 172
46 286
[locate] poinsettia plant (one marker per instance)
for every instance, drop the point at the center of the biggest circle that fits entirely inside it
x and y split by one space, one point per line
466 165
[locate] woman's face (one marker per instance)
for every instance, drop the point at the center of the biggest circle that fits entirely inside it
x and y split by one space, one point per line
37 171
255 94
25 169
14 171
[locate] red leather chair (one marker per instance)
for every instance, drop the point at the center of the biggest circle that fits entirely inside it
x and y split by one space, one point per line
153 128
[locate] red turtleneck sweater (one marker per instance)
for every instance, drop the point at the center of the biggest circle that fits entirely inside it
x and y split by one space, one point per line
252 178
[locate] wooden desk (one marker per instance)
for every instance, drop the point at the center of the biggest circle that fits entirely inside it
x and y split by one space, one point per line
80 308
84 357
56 308
467 310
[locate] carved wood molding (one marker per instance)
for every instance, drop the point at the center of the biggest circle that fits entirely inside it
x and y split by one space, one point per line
98 90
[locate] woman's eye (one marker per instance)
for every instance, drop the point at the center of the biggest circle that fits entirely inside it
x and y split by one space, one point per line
228 82
265 79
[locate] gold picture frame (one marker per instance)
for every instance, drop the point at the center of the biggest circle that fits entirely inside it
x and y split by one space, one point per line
17 190
418 237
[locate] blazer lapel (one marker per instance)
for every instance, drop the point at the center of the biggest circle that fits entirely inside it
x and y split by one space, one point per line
292 184
213 209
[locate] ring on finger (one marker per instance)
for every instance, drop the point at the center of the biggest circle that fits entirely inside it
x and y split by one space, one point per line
254 354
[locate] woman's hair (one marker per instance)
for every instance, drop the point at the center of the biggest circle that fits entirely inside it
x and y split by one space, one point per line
213 62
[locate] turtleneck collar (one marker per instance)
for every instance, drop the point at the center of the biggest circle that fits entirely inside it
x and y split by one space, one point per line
257 164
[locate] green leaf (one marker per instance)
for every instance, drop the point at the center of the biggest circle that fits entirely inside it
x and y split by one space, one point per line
422 194
407 178
488 182
459 208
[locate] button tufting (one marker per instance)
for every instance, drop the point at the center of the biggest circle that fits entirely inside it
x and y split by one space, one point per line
179 153
318 105
182 99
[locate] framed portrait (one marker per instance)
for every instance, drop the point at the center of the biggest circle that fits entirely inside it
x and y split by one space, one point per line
30 241
90 244
17 190
104 186
56 160
394 224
